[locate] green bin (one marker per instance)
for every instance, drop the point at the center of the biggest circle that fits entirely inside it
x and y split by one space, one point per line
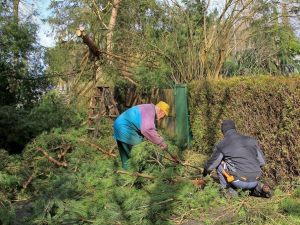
183 134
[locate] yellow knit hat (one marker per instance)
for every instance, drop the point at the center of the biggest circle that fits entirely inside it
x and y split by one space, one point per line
164 107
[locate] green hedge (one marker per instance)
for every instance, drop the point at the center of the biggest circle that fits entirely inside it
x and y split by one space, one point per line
267 108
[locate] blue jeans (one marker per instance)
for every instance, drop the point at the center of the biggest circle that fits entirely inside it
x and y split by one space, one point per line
236 183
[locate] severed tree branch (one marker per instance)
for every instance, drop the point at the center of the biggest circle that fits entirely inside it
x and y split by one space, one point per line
29 180
111 150
51 159
111 154
66 150
89 42
25 184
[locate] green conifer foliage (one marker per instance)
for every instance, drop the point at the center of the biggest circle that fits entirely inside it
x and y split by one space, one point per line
89 189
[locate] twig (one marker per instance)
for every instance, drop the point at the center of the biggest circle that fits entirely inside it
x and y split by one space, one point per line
55 148
63 164
62 154
20 200
157 161
135 174
87 221
25 184
176 160
182 217
98 148
112 149
99 14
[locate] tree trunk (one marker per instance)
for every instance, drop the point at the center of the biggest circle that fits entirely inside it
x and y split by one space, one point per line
111 25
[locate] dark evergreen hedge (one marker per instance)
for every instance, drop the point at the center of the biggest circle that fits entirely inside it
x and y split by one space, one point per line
267 108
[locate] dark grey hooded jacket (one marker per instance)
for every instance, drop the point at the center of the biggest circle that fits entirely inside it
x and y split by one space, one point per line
241 154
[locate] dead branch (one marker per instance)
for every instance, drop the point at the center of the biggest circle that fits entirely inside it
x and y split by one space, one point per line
86 220
51 159
111 150
66 150
135 174
25 184
29 180
129 79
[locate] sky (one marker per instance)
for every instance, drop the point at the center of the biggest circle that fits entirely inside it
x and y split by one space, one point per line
45 36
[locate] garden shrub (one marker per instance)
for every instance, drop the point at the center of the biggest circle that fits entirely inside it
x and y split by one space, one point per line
267 108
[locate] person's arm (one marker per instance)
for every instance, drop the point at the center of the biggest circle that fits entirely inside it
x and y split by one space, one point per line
148 128
213 162
260 156
152 135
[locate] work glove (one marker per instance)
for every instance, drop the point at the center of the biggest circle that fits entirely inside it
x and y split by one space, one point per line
205 173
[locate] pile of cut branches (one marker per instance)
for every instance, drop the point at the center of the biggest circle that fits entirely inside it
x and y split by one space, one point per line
64 177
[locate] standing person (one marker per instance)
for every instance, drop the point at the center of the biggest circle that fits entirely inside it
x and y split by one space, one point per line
136 123
238 160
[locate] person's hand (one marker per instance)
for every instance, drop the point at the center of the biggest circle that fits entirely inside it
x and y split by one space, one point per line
163 146
205 173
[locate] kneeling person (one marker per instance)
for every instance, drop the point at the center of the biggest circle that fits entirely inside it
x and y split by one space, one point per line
238 160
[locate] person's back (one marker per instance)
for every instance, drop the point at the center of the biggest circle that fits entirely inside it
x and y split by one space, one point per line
238 161
129 126
240 154
137 123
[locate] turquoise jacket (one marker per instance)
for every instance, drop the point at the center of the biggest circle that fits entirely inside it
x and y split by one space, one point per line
136 123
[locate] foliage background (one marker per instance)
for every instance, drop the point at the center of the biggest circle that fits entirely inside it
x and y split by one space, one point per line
157 44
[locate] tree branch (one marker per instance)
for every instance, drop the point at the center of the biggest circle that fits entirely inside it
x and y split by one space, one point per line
51 159
98 148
